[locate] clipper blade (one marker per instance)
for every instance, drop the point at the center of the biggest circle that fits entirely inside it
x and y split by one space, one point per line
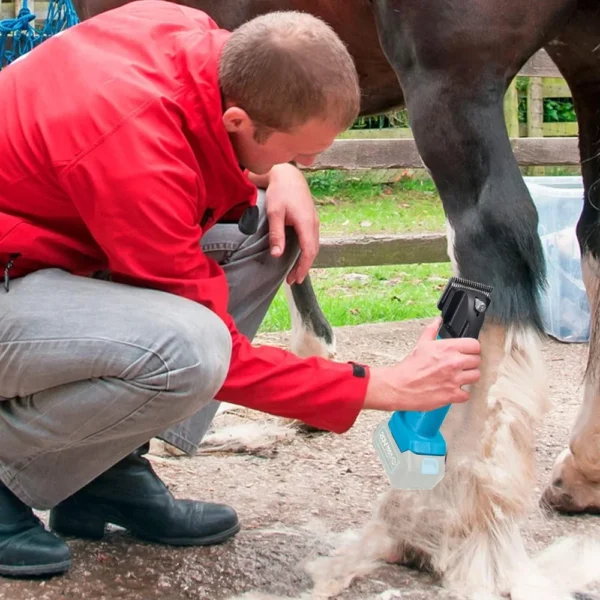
456 284
465 284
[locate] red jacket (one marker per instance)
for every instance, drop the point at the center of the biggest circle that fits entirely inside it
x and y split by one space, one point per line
112 152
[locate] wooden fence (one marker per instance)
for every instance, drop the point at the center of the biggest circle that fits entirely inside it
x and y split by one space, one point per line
544 80
535 150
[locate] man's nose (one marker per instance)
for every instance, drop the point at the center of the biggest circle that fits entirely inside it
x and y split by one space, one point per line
306 160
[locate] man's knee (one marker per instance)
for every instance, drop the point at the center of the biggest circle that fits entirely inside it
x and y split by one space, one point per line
204 356
195 348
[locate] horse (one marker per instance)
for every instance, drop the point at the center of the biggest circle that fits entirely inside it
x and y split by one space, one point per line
450 65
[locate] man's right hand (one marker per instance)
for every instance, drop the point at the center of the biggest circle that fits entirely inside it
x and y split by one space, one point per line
432 375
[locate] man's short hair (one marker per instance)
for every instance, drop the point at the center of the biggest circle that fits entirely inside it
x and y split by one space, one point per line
286 67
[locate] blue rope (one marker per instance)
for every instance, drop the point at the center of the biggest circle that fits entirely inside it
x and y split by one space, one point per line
61 15
18 36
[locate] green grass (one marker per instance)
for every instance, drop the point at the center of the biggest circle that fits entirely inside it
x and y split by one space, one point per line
369 295
354 205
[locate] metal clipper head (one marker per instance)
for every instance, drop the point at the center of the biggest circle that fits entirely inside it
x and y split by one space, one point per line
463 305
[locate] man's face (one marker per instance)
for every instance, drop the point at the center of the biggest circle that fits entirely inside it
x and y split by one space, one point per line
302 145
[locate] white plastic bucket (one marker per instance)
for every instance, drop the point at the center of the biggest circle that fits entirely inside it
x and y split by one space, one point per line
565 308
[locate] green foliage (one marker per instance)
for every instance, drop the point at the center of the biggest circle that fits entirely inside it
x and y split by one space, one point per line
522 110
522 84
330 183
384 121
556 110
559 110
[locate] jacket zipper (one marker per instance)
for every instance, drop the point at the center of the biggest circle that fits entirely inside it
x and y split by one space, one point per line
9 266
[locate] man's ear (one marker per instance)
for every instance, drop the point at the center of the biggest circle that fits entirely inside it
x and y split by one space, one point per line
236 119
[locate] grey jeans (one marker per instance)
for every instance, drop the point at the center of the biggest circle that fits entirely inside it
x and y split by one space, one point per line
91 369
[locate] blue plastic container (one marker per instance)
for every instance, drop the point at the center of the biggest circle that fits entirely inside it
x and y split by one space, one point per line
565 307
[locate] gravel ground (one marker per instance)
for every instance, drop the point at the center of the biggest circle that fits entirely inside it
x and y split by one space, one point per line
290 500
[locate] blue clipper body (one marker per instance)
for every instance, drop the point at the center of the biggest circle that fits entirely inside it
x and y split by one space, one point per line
410 445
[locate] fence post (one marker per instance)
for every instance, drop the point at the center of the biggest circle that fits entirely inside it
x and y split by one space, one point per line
511 109
535 107
535 115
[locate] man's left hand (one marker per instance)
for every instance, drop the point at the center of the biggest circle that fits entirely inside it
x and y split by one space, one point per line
288 202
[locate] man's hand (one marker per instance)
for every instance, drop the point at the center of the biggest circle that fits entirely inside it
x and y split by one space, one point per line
290 203
431 376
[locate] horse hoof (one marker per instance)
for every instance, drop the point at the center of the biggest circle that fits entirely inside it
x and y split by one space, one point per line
570 492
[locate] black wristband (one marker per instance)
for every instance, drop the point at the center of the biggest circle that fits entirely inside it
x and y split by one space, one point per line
358 370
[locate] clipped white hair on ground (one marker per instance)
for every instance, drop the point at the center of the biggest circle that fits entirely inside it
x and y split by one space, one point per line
261 596
247 437
563 571
391 594
256 433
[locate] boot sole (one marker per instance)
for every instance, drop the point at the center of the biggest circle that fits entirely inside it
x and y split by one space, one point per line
35 570
208 540
94 528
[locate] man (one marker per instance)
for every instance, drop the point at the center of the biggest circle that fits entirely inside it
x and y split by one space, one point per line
139 261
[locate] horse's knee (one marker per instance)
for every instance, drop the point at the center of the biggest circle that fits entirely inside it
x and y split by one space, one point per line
495 242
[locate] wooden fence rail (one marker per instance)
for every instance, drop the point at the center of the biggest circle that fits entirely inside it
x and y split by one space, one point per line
402 153
376 250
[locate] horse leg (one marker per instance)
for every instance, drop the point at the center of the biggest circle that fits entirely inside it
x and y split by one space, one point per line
575 480
454 65
312 334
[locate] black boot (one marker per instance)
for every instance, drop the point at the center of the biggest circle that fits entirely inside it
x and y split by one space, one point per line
26 548
131 495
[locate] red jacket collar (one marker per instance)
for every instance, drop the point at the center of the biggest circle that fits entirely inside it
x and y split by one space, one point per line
202 65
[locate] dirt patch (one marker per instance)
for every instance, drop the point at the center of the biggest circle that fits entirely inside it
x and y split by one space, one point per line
292 502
